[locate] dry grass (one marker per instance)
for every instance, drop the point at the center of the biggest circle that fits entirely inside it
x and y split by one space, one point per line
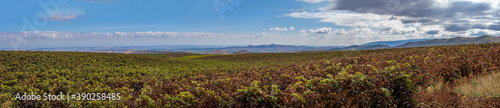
435 87
483 85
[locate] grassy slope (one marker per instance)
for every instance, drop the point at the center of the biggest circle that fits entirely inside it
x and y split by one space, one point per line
343 78
484 85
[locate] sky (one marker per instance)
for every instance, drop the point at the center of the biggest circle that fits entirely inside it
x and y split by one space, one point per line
84 23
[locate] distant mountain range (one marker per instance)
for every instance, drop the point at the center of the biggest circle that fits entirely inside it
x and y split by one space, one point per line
274 47
422 42
452 41
152 52
393 43
265 48
363 47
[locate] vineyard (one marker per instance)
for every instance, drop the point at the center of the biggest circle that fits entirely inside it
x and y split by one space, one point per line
407 77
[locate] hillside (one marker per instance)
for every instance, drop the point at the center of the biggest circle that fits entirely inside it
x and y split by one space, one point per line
452 41
271 48
265 48
218 52
152 52
393 43
362 47
405 77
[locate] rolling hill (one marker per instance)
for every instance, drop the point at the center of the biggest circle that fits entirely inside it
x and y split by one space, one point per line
393 43
363 47
452 41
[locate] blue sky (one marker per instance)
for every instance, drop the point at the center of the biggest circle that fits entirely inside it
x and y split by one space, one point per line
73 23
158 15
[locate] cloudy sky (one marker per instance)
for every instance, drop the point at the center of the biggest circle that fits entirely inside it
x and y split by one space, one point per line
74 23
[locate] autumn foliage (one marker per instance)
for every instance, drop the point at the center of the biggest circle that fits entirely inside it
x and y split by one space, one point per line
367 78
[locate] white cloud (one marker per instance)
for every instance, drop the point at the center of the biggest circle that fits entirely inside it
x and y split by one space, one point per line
377 20
357 20
320 36
324 30
282 29
65 14
76 39
346 18
449 13
374 27
107 35
61 17
312 1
